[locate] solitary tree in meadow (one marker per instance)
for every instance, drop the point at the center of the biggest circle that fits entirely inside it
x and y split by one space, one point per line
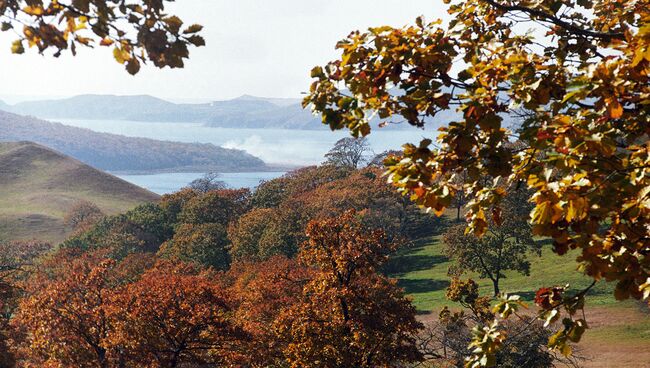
506 245
82 214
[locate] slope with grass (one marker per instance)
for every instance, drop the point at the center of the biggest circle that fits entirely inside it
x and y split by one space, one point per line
38 185
620 331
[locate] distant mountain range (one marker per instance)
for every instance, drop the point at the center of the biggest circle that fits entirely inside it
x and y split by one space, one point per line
39 185
243 112
126 154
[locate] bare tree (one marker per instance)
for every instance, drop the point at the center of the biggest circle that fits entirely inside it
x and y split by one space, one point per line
82 213
348 152
208 182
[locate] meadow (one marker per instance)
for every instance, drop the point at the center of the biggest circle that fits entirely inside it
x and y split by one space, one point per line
620 330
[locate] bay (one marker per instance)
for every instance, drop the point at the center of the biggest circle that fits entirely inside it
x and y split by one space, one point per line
273 146
276 147
172 182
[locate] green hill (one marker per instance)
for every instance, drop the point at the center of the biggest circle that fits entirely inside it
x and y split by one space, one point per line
38 185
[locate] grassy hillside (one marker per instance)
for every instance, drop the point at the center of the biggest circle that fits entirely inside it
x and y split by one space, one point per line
38 185
620 331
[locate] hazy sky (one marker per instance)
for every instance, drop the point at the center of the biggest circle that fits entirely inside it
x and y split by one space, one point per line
258 47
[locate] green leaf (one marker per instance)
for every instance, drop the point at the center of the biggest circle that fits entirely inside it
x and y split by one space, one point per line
317 72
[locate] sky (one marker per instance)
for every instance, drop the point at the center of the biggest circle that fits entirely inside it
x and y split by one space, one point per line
255 47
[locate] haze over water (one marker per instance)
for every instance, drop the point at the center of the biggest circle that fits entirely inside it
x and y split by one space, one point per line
277 147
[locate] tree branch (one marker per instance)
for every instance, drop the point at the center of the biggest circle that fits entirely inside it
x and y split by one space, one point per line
606 36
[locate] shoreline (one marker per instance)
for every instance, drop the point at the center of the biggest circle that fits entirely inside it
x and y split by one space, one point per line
269 169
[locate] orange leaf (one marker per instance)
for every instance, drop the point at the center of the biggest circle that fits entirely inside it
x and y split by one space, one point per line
614 108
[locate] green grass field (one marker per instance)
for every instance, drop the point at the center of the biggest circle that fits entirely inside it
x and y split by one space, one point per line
620 331
422 271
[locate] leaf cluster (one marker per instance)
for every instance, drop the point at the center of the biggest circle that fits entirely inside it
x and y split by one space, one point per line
138 32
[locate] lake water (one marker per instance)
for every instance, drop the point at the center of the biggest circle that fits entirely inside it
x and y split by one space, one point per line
275 146
172 182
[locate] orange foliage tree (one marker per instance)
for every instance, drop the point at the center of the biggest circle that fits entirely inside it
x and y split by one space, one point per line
273 192
261 291
63 321
349 315
278 228
219 206
88 310
173 316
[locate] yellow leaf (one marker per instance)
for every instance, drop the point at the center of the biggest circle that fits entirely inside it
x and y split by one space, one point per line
121 55
546 213
17 47
639 54
565 349
576 209
645 289
33 10
542 213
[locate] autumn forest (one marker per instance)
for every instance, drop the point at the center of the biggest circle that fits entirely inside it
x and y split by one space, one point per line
515 235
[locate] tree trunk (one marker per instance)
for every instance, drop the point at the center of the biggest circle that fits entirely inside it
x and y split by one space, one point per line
174 361
495 283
